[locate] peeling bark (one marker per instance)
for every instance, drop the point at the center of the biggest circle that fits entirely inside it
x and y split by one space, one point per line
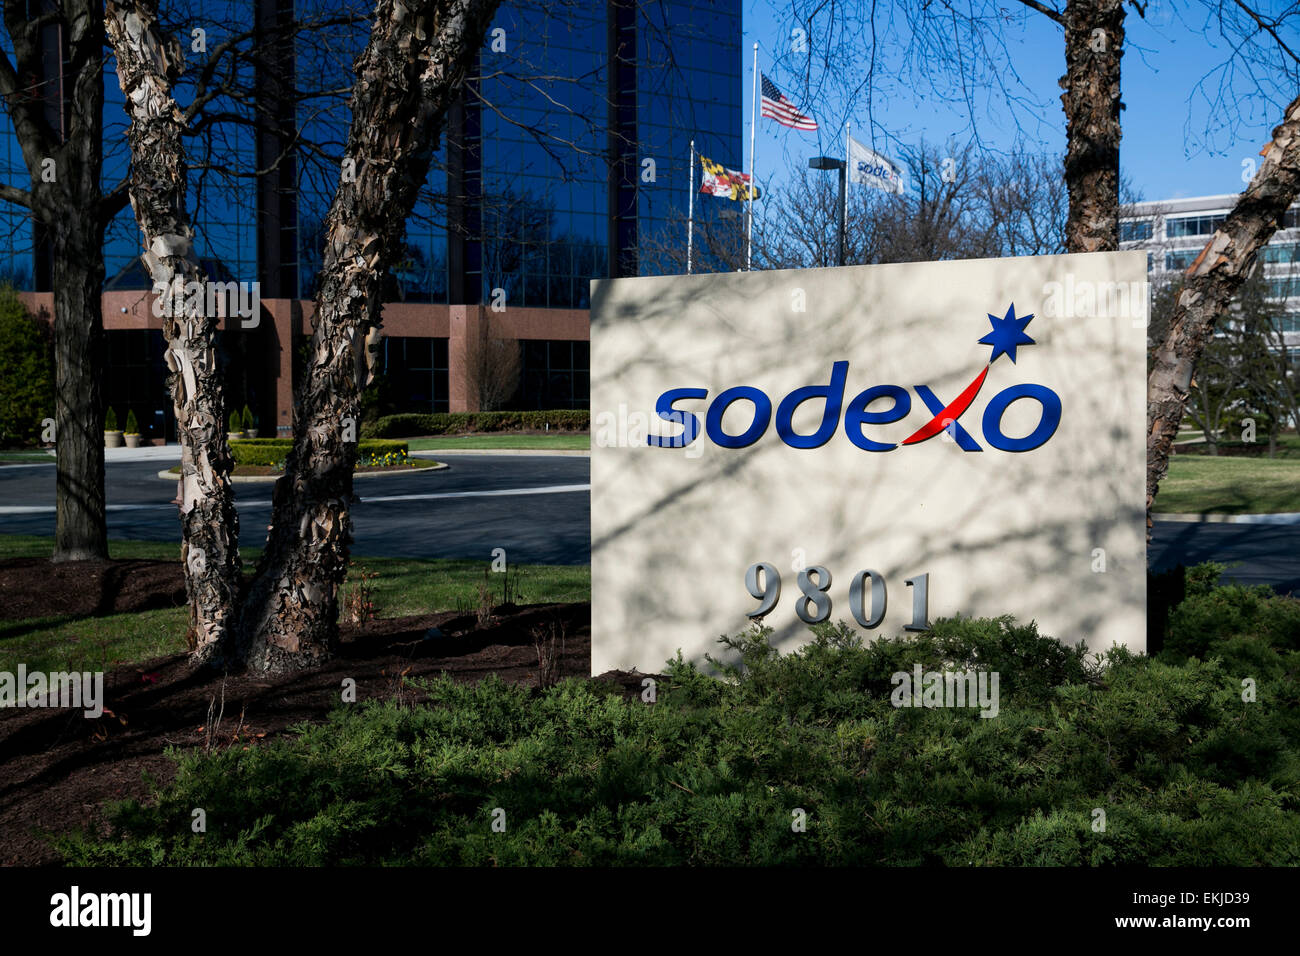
413 65
146 68
407 77
1094 45
1212 281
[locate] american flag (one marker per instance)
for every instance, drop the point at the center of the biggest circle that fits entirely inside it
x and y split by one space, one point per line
776 106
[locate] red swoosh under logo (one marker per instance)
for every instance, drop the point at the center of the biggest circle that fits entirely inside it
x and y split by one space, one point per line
951 413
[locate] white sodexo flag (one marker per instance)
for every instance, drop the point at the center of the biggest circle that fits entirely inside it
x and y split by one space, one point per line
869 168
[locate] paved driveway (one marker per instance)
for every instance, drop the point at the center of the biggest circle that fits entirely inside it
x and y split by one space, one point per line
537 508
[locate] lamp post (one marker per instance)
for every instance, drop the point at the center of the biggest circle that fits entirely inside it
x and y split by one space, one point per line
827 162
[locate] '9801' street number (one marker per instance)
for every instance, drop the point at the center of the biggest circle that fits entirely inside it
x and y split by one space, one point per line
814 603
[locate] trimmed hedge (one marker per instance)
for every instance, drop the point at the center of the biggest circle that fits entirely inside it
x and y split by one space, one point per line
456 423
272 451
715 772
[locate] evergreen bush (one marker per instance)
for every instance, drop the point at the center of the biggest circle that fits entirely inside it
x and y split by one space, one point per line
1187 771
272 451
455 423
26 372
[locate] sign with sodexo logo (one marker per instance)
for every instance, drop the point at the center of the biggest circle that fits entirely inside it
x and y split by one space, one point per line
880 445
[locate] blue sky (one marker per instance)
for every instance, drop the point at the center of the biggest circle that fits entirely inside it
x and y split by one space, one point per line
1177 140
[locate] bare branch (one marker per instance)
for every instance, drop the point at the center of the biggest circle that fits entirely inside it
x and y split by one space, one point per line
1268 27
1044 10
12 194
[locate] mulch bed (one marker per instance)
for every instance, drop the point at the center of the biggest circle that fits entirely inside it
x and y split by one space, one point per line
33 587
58 769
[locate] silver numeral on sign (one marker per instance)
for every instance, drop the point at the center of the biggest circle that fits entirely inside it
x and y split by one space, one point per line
814 603
769 593
920 586
814 594
879 600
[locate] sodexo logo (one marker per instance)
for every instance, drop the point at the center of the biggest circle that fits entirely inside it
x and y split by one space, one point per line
1007 335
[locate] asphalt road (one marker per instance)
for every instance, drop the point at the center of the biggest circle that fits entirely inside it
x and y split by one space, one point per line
480 503
531 507
1255 553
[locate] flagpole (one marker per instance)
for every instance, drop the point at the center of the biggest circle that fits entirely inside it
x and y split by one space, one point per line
847 182
690 215
753 124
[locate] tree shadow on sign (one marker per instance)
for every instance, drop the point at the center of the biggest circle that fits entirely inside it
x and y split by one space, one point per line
1035 551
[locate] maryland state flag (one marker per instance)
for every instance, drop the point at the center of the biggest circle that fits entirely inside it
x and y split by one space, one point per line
726 183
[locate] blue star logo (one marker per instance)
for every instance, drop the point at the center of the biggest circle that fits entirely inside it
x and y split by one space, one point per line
1008 332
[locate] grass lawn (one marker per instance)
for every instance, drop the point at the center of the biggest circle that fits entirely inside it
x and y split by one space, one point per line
23 457
560 441
404 586
1220 485
36 546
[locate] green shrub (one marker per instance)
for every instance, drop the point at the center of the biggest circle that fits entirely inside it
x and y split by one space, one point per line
26 372
455 423
236 425
110 420
273 451
1208 618
132 426
247 418
714 772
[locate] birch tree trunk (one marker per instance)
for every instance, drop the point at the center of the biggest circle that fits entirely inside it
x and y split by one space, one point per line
413 66
1094 44
146 68
1212 280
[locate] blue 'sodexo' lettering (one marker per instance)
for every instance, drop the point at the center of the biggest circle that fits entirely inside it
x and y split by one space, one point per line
855 413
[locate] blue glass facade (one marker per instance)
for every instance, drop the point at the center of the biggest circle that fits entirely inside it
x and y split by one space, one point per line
566 155
689 75
569 151
223 200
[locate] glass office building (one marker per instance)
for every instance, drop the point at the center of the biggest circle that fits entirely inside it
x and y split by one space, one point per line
1174 231
564 158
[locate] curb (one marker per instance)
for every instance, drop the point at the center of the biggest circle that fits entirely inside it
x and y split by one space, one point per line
503 452
269 479
1281 517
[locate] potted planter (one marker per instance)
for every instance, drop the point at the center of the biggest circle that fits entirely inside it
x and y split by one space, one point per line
236 430
112 437
132 435
250 425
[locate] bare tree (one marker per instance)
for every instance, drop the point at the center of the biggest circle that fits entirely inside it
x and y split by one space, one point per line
1217 383
965 42
1026 203
497 365
53 92
147 66
59 126
1266 393
969 207
413 65
1212 281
